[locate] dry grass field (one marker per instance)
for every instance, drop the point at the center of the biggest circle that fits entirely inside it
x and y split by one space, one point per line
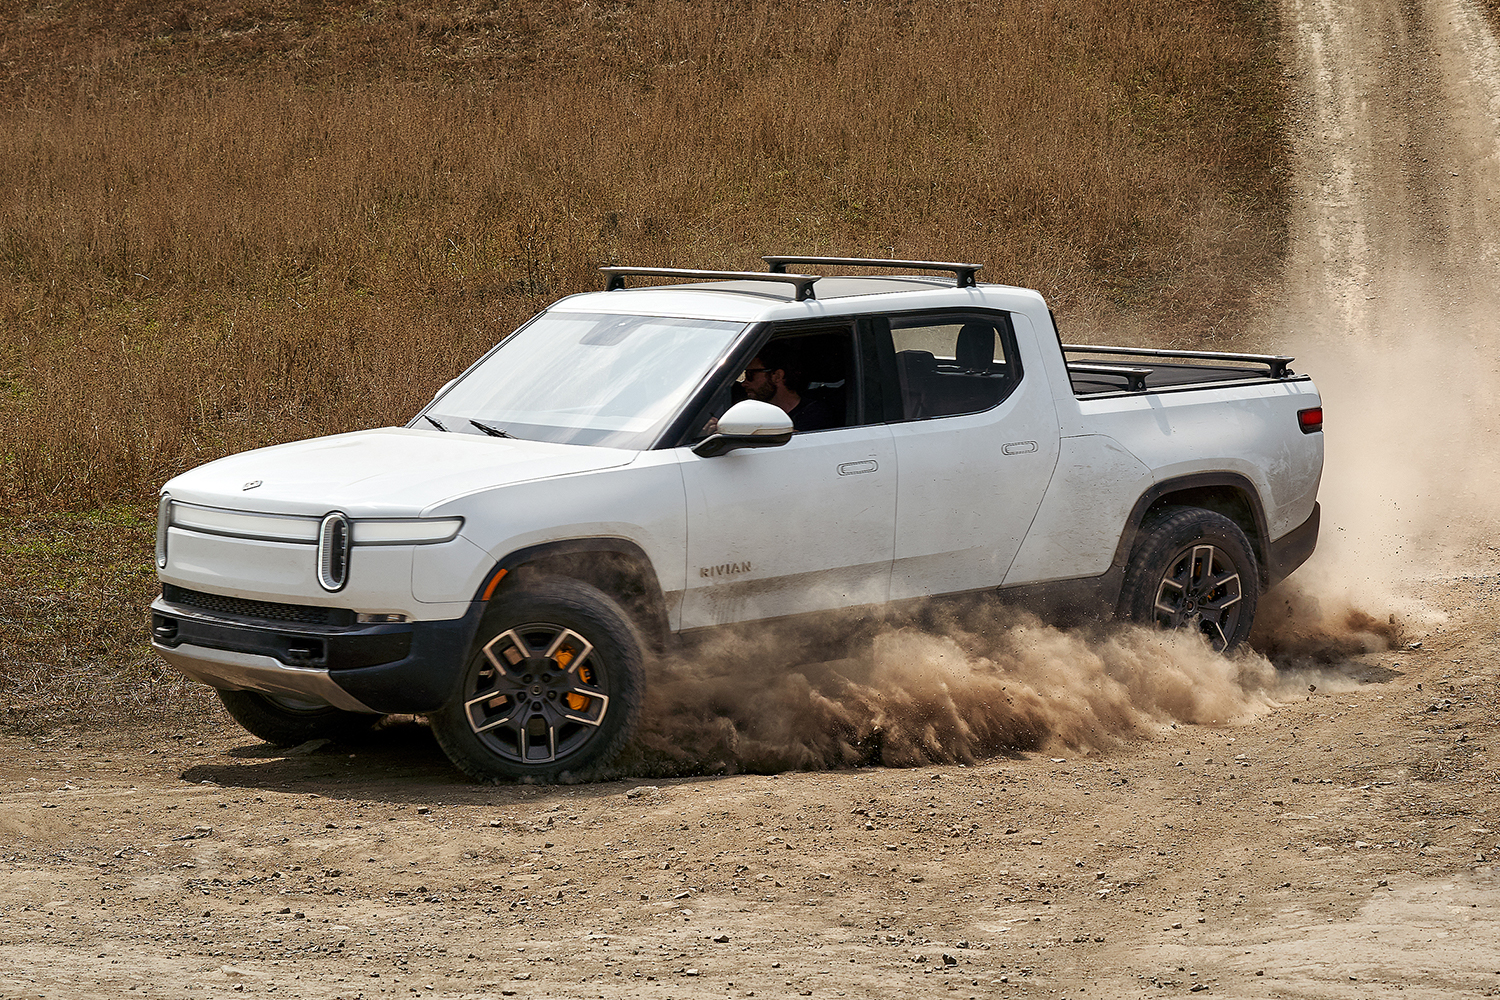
224 225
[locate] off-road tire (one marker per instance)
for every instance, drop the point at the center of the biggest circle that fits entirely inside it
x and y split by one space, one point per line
286 722
1193 568
553 688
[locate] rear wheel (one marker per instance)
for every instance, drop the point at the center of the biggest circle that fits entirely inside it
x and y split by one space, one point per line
553 690
286 721
1194 569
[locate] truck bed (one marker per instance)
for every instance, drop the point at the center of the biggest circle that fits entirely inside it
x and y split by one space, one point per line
1095 370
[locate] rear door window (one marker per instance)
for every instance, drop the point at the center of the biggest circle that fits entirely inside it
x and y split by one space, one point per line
953 363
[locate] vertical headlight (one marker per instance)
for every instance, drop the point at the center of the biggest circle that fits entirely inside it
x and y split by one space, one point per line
163 522
333 552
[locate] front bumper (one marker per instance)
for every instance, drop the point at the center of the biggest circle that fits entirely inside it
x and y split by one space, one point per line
407 667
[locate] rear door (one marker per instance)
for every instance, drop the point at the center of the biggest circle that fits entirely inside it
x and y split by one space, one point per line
976 439
807 526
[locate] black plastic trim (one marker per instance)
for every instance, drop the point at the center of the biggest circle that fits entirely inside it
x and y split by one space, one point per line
331 647
1195 387
425 680
722 444
1293 548
1276 364
1200 480
269 614
963 273
407 668
802 283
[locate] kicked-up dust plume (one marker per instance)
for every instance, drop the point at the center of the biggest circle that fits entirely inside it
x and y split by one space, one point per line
1390 302
983 682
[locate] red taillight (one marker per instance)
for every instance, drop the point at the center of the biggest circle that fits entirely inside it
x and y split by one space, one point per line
1311 421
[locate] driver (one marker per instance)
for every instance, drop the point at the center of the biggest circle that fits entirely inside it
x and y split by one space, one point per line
774 376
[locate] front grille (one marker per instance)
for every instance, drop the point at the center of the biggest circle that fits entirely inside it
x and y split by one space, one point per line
300 614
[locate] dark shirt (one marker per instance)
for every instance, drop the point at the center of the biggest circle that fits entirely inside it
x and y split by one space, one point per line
816 413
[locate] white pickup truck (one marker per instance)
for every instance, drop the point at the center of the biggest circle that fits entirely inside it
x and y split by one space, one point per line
638 464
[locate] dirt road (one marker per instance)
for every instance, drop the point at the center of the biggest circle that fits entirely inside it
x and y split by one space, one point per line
1338 839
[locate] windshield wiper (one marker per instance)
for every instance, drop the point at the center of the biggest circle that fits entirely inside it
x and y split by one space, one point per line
434 421
489 429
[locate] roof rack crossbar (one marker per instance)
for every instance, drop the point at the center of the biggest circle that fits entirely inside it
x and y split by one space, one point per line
1277 363
802 282
964 273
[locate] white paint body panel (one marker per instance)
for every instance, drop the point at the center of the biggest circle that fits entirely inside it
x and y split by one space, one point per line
1241 429
386 472
641 503
1078 526
779 531
282 573
971 485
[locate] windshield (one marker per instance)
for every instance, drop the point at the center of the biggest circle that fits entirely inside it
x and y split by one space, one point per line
586 378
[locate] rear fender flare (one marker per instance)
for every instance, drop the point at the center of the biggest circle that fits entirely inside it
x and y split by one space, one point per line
1227 493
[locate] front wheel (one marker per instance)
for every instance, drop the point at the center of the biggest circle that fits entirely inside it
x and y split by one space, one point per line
553 690
287 722
1193 569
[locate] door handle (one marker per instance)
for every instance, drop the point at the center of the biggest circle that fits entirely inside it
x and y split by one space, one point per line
857 468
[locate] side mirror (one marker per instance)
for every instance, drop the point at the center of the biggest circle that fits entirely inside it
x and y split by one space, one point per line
747 424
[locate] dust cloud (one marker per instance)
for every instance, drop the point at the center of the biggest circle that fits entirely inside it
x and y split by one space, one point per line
1389 301
1408 490
987 681
1407 500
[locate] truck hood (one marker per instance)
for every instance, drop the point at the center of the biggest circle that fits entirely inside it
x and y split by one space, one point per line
392 471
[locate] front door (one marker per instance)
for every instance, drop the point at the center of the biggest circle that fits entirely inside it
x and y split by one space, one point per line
781 531
808 526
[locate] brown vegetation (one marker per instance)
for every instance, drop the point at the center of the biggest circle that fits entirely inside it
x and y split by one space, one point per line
224 226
